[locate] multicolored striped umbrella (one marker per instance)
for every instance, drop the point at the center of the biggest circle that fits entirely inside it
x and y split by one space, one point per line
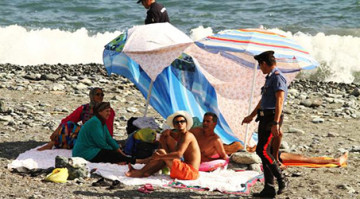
215 74
236 44
227 61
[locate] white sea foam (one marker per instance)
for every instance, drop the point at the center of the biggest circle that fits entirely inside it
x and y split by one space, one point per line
340 55
200 33
51 46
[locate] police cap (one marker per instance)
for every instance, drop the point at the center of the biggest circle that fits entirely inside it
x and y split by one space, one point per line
264 56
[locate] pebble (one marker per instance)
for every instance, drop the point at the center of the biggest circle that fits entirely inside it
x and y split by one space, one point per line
132 109
331 134
317 120
80 86
346 187
295 130
355 149
6 118
86 82
245 158
355 92
57 87
306 103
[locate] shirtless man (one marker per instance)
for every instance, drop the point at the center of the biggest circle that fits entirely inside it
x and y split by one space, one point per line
186 148
210 144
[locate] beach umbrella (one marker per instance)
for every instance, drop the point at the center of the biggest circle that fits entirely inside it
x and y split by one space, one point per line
227 61
154 47
216 78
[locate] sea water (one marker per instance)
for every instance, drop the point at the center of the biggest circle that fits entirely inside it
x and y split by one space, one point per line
75 31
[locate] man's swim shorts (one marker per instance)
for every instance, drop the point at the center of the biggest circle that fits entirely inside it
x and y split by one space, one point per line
182 171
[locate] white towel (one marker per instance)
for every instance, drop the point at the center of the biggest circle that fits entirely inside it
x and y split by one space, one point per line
222 180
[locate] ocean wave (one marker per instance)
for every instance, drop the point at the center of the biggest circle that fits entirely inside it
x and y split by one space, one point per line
338 55
51 46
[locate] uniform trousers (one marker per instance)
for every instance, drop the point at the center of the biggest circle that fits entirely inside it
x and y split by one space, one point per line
264 150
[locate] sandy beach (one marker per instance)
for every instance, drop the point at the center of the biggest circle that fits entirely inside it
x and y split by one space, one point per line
321 119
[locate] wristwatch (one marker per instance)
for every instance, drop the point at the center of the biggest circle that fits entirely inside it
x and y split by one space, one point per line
274 123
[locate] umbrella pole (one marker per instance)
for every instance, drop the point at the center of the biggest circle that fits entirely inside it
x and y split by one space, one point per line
250 102
148 97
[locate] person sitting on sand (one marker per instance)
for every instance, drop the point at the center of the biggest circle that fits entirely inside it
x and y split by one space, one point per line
64 136
285 157
211 146
184 161
94 142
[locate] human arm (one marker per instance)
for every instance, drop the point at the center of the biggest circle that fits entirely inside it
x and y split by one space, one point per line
280 95
152 17
250 117
75 116
183 144
216 151
220 149
121 152
165 133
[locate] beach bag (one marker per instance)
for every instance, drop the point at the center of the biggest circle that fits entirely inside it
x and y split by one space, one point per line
67 135
141 143
58 175
144 149
130 127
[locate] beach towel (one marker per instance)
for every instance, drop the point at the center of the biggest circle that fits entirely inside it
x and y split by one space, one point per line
225 181
233 182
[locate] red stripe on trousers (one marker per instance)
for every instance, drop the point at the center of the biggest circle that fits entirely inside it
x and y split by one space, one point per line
265 151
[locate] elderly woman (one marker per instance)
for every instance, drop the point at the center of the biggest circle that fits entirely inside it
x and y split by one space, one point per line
65 135
94 142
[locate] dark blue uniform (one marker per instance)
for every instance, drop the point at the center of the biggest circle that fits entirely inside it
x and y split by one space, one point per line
156 14
275 81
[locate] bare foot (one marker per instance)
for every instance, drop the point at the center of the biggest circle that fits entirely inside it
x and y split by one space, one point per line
343 158
48 146
128 173
133 172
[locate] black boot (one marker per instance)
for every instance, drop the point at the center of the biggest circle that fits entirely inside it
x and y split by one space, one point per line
282 182
265 193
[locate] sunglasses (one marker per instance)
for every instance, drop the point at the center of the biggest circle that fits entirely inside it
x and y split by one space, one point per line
100 94
179 122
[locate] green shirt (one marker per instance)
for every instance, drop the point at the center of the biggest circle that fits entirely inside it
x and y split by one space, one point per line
93 137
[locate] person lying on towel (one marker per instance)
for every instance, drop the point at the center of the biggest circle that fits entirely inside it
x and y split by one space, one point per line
182 159
291 158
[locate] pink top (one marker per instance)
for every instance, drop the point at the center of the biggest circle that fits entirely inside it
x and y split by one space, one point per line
75 116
